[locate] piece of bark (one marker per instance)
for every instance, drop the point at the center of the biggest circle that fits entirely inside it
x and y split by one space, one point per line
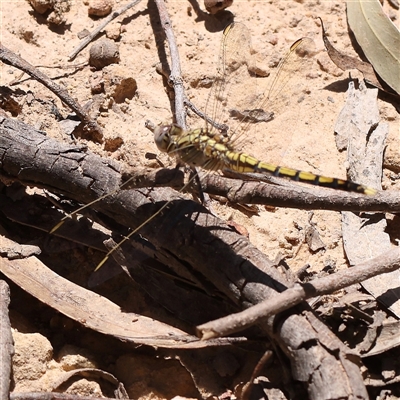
364 236
321 363
92 310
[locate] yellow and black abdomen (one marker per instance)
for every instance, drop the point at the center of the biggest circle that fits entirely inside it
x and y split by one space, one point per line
242 162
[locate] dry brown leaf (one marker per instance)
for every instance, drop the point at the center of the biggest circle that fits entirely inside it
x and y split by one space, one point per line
92 310
345 62
92 373
364 235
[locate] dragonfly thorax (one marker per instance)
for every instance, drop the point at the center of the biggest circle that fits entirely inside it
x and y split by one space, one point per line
198 147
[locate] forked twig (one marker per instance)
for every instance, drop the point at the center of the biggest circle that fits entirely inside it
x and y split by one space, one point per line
233 323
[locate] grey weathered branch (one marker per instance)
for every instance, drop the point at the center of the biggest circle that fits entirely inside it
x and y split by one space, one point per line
175 78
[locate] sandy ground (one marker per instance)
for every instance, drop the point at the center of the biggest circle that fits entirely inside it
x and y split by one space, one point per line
301 136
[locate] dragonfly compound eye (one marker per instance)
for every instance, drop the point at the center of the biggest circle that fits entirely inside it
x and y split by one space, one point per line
162 137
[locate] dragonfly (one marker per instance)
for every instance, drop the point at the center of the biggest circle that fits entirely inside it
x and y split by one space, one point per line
215 150
214 147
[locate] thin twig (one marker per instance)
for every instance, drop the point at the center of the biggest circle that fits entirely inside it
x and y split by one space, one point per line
6 341
62 66
233 323
10 58
247 388
94 33
176 75
221 127
189 104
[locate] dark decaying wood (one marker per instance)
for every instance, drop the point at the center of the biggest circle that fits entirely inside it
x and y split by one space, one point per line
324 366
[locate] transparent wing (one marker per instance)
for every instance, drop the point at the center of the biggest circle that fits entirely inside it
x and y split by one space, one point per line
233 66
297 59
247 98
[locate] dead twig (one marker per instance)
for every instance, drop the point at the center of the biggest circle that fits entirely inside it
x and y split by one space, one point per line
297 195
233 323
240 191
247 388
10 58
104 23
220 127
6 341
175 79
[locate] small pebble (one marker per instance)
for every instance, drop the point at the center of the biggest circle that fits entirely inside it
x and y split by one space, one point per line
100 8
103 52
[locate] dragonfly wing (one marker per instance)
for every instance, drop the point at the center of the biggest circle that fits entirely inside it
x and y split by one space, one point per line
277 94
296 59
233 66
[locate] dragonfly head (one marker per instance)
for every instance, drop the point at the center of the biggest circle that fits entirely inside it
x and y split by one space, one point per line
165 136
162 137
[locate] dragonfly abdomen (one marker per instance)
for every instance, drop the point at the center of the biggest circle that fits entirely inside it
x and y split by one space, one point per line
242 162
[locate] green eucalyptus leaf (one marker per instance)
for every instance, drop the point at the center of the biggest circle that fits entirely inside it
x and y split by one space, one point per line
378 37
